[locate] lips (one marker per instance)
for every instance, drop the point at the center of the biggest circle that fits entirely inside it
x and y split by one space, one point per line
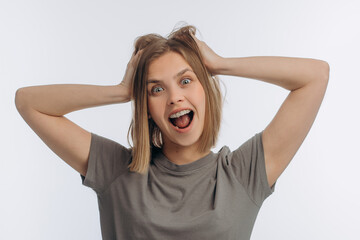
178 110
183 130
172 120
190 114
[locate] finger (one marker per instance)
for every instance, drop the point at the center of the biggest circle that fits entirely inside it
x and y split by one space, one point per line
135 56
194 37
139 52
198 42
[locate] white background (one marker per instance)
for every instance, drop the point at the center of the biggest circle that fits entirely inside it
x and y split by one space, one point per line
90 42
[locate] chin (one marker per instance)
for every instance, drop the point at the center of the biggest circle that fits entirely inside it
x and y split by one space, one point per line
185 142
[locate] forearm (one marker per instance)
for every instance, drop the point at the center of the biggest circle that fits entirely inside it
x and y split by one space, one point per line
60 99
287 72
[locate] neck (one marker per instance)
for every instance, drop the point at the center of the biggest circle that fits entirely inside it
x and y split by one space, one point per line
183 155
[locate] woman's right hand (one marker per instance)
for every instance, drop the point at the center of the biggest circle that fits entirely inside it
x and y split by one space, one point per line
130 71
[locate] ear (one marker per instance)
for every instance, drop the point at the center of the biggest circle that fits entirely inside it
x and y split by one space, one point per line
149 116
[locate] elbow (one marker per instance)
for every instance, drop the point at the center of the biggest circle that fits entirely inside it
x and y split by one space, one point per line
19 102
17 96
320 72
325 71
322 75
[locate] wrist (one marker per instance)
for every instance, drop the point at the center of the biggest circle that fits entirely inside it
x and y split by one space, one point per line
220 67
123 92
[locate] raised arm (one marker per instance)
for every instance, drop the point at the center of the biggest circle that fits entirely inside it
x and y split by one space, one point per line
307 81
43 107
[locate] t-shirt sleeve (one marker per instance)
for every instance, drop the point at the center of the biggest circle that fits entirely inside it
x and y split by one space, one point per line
248 164
107 160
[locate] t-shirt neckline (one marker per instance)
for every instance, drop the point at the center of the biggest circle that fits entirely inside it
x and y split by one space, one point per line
197 164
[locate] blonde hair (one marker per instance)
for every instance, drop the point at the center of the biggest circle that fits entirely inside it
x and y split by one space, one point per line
145 134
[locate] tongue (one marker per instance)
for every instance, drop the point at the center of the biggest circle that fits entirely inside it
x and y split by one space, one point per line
182 121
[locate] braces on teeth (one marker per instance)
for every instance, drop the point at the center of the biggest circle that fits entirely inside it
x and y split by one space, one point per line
181 113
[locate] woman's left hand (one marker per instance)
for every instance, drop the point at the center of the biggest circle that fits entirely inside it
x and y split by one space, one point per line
211 60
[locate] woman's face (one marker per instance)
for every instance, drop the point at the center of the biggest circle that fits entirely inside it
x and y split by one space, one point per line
173 87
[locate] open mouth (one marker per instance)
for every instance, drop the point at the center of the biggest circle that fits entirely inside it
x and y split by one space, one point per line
182 121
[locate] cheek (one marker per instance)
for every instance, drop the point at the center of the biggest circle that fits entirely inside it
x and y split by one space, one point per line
154 109
200 96
150 107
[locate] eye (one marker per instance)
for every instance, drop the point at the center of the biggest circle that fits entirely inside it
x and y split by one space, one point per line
156 89
185 81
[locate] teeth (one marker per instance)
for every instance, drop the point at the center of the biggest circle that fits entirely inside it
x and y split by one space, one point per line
178 114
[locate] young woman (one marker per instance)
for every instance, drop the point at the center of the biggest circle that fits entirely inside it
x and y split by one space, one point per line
170 185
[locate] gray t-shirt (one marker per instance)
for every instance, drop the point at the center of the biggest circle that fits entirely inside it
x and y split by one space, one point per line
216 197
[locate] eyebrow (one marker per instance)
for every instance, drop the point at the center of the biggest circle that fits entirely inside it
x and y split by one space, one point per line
176 76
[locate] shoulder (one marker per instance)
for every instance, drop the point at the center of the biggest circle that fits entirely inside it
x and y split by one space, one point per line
107 149
101 142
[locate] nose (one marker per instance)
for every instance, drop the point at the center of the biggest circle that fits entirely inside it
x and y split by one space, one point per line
175 96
